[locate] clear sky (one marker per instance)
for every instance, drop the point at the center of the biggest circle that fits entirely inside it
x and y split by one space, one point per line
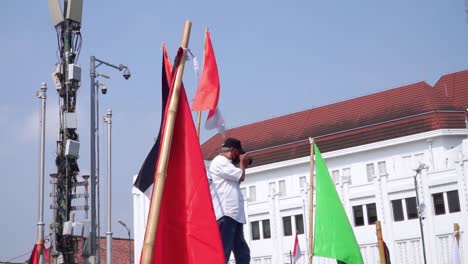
274 58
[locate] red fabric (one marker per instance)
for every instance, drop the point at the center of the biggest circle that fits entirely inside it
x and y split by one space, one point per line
297 250
208 92
187 229
35 255
34 258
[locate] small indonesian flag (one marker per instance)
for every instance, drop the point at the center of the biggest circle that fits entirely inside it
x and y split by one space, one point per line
297 251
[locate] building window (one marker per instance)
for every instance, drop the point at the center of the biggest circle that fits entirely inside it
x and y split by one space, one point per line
335 176
397 210
453 201
266 228
252 194
299 224
282 188
411 208
287 226
370 172
358 215
347 174
302 183
271 188
255 227
439 207
371 213
382 165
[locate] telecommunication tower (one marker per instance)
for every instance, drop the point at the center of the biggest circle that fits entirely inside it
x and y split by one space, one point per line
69 189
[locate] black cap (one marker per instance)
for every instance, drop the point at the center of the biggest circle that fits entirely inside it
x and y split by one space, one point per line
233 143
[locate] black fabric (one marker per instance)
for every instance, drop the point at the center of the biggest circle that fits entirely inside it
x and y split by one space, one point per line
146 175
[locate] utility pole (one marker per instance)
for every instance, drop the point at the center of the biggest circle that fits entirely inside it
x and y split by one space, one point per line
67 79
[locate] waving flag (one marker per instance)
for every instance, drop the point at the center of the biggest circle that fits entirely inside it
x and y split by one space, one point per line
297 251
145 177
333 236
187 231
208 92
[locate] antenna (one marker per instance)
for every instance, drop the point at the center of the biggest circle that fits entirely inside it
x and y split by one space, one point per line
56 11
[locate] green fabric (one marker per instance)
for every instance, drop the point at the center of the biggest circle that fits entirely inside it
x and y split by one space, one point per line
333 236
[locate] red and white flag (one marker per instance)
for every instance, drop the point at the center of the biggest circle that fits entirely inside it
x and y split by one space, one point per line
208 92
297 251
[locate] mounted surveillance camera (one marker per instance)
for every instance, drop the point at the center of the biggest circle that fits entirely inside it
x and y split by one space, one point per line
126 74
103 88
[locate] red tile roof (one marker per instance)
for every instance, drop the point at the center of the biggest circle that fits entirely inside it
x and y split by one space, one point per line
389 114
455 86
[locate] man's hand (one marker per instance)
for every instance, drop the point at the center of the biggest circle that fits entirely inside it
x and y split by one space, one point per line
244 161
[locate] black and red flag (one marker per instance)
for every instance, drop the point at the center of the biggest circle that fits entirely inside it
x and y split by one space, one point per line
187 230
146 175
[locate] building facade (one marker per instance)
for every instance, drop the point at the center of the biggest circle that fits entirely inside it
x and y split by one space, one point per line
372 146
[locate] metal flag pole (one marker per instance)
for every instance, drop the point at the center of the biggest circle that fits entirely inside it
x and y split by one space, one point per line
41 94
161 167
108 121
311 201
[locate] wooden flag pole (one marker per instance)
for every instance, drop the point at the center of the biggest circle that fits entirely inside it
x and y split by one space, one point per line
380 242
161 168
456 230
203 66
311 202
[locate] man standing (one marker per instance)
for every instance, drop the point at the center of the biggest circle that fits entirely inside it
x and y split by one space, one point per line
228 201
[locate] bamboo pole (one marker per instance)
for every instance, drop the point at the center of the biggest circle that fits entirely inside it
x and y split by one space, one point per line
380 242
161 169
311 201
456 230
203 67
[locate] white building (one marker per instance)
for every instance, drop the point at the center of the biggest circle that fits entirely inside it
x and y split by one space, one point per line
372 146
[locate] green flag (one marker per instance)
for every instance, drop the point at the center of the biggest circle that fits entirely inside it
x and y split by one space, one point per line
333 236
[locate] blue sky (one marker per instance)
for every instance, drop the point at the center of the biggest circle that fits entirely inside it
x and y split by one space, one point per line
274 58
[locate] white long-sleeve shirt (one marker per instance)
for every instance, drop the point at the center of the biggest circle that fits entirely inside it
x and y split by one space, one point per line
225 189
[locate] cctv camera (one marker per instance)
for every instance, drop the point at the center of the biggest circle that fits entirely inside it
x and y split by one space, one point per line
126 73
103 88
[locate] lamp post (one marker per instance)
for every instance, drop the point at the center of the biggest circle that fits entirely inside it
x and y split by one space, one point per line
94 64
129 243
420 217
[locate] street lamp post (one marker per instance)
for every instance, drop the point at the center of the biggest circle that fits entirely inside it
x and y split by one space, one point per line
129 242
94 64
420 217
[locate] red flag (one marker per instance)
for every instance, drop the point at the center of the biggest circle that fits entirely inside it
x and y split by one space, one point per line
35 254
208 92
297 250
187 230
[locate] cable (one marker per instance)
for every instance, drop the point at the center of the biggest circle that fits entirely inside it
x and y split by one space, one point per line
29 252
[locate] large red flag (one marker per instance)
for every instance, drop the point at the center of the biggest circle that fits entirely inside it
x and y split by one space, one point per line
208 92
187 230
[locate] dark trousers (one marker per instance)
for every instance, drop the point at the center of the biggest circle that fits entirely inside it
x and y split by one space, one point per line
232 235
